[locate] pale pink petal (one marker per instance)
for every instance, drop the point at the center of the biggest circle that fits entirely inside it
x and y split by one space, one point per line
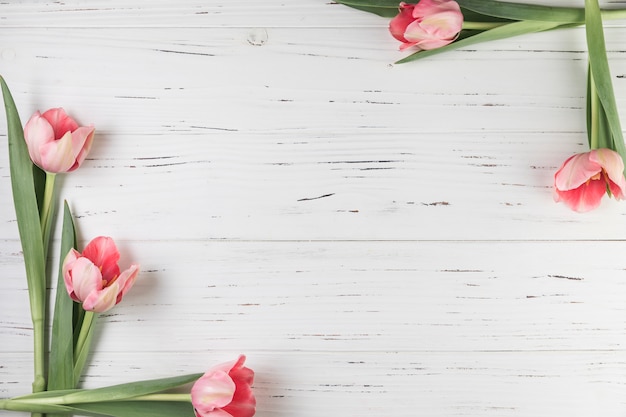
218 412
57 156
82 139
431 7
102 300
575 171
613 165
215 389
103 252
85 278
126 280
37 132
60 121
68 262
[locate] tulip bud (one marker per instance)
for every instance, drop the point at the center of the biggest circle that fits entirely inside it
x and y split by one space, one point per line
55 141
429 24
93 278
584 178
224 390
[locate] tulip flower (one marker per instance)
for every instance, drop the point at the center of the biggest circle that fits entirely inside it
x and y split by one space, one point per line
93 278
224 391
429 24
56 143
585 177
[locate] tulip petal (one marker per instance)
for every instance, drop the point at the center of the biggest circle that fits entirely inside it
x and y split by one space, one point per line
103 252
398 24
85 278
57 156
60 121
37 132
102 300
576 171
126 280
613 165
215 389
82 139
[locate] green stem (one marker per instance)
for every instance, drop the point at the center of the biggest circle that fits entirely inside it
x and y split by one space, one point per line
84 332
29 407
163 397
83 343
47 209
613 14
594 133
39 384
482 25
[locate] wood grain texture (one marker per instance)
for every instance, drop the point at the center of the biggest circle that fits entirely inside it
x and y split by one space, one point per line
376 238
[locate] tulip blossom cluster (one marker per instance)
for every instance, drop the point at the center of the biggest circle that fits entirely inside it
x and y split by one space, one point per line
429 24
51 143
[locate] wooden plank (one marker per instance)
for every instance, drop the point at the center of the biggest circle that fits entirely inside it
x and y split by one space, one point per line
529 384
358 296
267 154
199 13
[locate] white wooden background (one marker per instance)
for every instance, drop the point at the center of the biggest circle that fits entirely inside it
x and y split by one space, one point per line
378 239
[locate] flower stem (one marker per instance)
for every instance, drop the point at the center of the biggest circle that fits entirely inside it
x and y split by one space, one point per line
39 384
163 397
482 25
81 349
47 210
594 125
613 14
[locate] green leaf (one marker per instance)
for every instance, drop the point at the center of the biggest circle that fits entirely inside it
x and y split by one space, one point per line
389 8
26 210
126 391
601 77
26 407
61 359
138 408
521 11
384 8
501 32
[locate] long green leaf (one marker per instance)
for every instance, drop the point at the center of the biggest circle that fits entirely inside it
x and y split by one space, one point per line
61 360
599 66
138 408
384 8
389 8
26 407
521 11
129 390
502 32
26 210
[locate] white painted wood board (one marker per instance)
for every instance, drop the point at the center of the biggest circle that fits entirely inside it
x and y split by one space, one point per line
377 238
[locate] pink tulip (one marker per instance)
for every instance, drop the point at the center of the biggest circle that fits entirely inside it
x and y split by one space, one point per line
585 177
93 278
429 24
55 141
224 391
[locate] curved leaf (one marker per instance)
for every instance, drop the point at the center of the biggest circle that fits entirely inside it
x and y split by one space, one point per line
502 32
137 409
601 74
521 11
